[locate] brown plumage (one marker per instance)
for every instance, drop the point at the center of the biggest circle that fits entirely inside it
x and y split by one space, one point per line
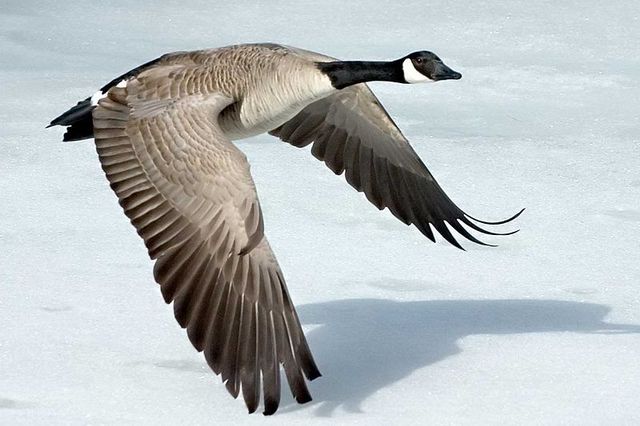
163 135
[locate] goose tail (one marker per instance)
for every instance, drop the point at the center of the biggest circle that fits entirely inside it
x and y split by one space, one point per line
78 120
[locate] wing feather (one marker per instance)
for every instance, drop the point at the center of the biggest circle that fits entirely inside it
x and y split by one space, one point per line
352 133
188 192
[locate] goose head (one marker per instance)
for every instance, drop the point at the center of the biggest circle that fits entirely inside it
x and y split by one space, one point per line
423 66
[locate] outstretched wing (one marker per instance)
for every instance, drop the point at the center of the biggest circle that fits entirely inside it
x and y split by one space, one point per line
189 194
352 133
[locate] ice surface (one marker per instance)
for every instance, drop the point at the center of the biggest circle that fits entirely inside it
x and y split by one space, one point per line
544 329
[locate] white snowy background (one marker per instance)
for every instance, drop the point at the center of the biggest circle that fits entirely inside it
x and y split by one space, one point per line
544 329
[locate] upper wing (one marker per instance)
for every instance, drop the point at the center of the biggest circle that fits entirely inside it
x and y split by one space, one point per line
351 132
189 193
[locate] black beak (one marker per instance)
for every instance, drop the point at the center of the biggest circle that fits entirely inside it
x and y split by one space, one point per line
443 72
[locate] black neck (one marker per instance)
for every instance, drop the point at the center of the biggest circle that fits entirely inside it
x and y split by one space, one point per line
348 73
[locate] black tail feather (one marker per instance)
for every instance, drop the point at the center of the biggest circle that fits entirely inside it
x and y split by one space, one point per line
78 121
80 129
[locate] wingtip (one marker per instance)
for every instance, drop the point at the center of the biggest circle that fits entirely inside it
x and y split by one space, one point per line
500 222
451 239
315 375
303 398
270 407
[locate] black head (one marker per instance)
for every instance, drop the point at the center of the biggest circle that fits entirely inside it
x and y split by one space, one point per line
424 65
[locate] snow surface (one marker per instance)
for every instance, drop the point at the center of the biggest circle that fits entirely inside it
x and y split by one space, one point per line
543 329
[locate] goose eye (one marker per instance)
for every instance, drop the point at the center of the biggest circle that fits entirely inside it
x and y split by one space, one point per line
418 60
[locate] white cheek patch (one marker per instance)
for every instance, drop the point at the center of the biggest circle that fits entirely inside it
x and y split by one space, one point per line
411 74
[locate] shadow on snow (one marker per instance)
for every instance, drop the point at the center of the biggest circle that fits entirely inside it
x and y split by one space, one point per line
363 345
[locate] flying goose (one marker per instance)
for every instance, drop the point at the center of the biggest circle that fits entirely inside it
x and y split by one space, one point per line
163 134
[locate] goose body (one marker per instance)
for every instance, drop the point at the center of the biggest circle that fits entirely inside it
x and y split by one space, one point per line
163 134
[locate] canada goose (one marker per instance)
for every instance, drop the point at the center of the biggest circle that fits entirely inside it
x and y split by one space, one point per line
163 133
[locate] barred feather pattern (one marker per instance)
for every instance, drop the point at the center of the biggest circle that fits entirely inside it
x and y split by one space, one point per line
188 192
